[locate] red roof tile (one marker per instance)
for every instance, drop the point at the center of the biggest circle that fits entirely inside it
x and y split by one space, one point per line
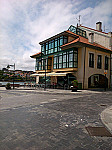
93 29
85 41
72 33
36 54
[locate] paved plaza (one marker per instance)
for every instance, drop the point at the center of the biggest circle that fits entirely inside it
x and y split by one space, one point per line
52 119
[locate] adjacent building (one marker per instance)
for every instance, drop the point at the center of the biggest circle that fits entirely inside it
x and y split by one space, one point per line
78 53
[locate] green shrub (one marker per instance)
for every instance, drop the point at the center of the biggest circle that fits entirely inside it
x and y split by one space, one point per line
8 86
75 83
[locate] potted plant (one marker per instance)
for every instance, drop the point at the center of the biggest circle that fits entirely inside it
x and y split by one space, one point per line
74 86
8 86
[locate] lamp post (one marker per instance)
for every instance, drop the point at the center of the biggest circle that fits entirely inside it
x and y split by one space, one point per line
40 60
13 72
105 72
45 76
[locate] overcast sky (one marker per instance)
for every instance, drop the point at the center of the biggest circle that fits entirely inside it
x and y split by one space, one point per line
25 23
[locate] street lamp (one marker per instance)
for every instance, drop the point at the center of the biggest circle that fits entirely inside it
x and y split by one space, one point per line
45 75
105 72
40 60
13 72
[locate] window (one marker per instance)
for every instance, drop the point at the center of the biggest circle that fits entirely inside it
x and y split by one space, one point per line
56 43
91 60
61 40
53 45
75 59
106 63
99 62
54 66
66 59
60 61
65 40
43 49
71 59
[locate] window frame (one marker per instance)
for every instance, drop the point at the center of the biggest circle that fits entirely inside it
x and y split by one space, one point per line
106 62
91 60
99 61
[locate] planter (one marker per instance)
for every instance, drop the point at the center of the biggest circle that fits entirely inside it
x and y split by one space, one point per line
8 88
74 90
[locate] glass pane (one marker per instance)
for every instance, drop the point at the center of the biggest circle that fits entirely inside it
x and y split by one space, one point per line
56 42
64 65
60 59
64 58
42 48
52 44
49 45
60 65
71 57
54 60
54 66
46 46
61 41
51 50
65 40
70 64
55 50
75 57
58 48
75 64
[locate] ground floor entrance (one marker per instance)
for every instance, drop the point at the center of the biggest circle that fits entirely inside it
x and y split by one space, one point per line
61 82
97 81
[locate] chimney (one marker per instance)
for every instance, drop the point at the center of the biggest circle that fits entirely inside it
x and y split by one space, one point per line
91 37
99 26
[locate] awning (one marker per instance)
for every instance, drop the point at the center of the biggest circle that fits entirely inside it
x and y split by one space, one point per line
51 74
56 74
37 74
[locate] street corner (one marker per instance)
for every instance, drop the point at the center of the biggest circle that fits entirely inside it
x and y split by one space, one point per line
106 117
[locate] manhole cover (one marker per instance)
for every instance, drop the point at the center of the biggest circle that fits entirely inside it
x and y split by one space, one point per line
98 131
103 105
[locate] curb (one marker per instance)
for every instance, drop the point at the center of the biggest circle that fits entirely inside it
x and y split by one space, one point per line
106 117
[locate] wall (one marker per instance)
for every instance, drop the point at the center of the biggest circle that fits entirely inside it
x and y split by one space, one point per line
90 71
101 38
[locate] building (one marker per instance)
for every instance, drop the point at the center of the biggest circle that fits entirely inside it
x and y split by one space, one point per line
102 38
75 54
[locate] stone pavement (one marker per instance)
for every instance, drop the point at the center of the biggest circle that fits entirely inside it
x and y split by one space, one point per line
52 120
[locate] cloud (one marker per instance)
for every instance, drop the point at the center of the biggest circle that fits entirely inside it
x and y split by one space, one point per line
24 23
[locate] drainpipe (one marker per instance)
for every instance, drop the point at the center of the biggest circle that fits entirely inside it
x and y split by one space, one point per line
84 67
110 69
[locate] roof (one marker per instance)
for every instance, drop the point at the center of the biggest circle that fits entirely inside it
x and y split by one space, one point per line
83 40
34 56
66 33
93 29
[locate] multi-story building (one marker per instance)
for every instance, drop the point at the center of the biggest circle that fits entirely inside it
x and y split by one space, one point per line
102 38
73 54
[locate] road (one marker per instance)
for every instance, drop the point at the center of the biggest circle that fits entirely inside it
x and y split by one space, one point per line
35 120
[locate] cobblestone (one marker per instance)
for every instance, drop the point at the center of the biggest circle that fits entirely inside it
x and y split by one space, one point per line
42 121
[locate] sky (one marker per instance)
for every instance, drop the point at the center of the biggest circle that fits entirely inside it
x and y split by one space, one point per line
25 23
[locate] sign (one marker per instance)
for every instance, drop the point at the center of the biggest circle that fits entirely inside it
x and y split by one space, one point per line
105 71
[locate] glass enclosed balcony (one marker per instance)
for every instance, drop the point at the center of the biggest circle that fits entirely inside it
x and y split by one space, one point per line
77 31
